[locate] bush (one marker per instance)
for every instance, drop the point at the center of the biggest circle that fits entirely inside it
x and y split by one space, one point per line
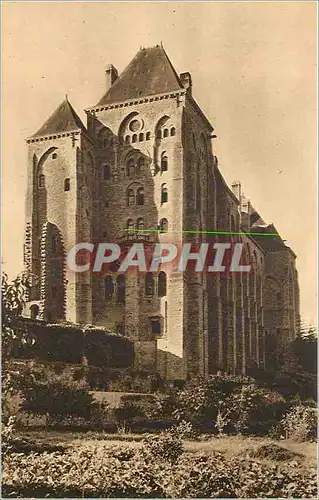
60 398
166 446
299 423
229 404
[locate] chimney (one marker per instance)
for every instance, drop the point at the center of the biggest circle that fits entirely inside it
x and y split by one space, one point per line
236 189
186 80
245 209
111 75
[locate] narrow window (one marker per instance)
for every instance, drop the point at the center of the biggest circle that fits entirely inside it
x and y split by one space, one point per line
130 168
164 195
165 132
106 172
163 225
156 326
164 162
41 181
127 139
140 224
165 316
67 185
108 287
120 289
54 243
162 284
149 284
130 198
130 226
34 311
173 131
134 138
140 196
139 165
141 137
148 136
120 329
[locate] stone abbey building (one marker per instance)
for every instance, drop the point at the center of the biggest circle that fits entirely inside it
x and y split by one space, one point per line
145 161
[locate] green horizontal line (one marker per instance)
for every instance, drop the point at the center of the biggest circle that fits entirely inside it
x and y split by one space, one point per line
201 232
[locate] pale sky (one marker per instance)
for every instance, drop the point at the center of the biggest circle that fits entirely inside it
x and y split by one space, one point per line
254 75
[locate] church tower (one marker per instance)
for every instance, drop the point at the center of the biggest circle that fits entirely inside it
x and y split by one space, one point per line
58 215
153 162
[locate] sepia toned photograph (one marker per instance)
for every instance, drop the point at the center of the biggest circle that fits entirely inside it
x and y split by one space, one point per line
159 249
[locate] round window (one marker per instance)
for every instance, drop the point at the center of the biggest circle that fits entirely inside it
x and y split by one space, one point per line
135 125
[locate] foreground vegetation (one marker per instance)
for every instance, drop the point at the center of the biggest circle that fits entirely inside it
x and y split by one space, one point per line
162 466
213 444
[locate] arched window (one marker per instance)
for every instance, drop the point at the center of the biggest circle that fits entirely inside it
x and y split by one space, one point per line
34 311
140 196
130 167
130 198
173 131
41 181
165 134
148 136
149 284
164 162
108 287
67 185
127 139
106 172
164 194
141 137
163 225
162 284
140 224
120 289
130 226
134 138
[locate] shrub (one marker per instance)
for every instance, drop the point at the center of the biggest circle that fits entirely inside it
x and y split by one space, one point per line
229 404
299 423
59 397
165 446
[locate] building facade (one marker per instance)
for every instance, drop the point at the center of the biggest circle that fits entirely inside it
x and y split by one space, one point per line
145 161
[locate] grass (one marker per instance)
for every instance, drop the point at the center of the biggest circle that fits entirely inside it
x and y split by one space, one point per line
231 446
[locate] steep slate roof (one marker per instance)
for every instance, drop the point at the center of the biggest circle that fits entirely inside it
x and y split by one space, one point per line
268 242
149 73
64 119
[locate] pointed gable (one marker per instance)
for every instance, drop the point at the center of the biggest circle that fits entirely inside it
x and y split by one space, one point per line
149 73
64 119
